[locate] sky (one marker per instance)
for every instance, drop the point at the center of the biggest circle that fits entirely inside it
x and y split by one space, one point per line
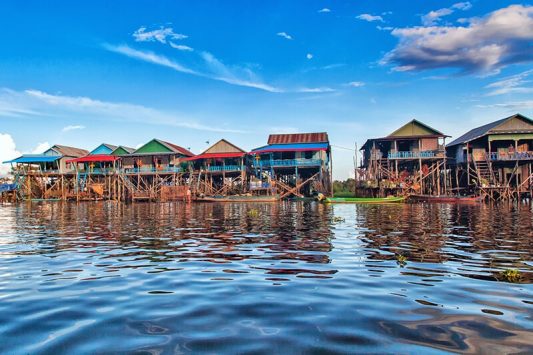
193 72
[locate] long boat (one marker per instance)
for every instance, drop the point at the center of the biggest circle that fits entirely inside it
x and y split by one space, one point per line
365 199
273 198
445 199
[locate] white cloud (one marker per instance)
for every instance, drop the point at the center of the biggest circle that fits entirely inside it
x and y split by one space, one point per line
434 16
385 28
160 35
41 148
218 71
8 152
370 18
284 35
316 90
62 106
511 106
356 84
486 44
511 84
324 10
72 128
309 56
180 47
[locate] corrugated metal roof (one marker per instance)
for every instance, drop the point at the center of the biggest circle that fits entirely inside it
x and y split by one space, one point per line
482 130
94 158
217 156
298 147
177 148
34 158
319 137
69 151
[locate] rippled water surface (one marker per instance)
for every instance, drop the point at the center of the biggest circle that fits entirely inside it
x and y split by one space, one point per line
293 278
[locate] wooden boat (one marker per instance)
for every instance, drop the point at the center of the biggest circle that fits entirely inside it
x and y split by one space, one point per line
445 199
364 199
273 198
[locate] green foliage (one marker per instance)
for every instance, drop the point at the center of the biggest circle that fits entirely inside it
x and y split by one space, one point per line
253 213
511 275
344 188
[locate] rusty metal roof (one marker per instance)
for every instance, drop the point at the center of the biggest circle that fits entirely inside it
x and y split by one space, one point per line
320 137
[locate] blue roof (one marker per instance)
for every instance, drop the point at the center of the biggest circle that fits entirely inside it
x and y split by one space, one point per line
35 158
296 147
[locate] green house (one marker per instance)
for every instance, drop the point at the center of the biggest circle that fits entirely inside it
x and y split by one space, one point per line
156 156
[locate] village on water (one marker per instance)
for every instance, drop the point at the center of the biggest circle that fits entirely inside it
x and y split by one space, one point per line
493 162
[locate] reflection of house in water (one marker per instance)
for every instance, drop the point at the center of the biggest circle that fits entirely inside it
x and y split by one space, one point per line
496 158
410 159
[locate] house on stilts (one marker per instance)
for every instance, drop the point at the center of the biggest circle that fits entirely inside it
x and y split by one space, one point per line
494 160
290 165
219 170
156 170
412 159
46 175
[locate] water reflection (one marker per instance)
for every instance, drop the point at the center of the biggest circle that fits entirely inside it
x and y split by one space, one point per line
295 277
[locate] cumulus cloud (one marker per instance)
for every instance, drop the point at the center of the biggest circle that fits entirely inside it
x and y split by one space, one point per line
309 56
511 84
324 10
72 128
160 35
8 152
370 18
284 35
485 45
41 148
433 17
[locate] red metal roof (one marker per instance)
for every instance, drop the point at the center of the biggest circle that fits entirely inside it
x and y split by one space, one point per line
95 158
179 149
217 156
320 137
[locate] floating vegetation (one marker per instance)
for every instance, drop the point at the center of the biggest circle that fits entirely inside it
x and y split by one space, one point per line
253 213
511 275
401 260
337 219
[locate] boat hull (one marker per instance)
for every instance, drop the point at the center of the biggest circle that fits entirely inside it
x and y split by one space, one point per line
364 199
238 199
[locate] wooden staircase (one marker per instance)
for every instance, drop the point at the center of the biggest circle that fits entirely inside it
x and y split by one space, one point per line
484 172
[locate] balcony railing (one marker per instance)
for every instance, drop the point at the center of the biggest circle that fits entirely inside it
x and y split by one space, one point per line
290 162
415 155
149 169
225 168
495 156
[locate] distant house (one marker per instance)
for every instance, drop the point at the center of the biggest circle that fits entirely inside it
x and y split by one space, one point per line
406 157
221 167
496 154
103 148
156 156
301 161
122 150
53 160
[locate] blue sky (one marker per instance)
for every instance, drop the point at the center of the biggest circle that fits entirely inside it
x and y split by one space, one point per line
191 72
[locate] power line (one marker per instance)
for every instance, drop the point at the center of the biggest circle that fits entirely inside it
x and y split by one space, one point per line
338 146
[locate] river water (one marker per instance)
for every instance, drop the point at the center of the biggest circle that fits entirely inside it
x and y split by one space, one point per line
284 278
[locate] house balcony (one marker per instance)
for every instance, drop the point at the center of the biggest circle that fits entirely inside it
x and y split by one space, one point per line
429 154
506 156
220 168
153 170
290 162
